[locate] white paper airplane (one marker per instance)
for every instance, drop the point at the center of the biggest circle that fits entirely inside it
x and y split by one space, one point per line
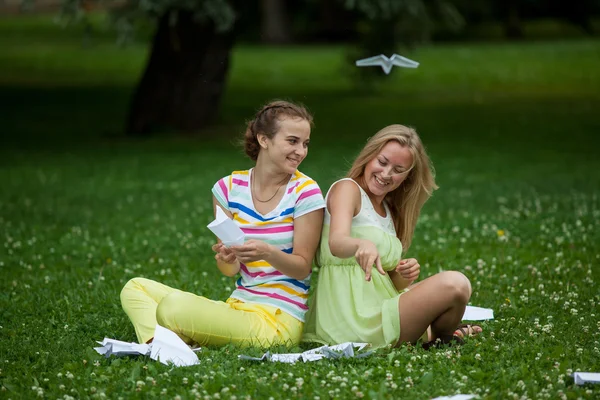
387 63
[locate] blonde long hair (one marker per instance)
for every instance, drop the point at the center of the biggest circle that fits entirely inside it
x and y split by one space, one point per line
406 201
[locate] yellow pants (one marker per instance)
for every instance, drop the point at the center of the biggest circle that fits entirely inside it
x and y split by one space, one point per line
197 319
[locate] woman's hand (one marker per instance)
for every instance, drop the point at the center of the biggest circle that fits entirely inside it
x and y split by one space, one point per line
224 254
409 269
367 255
252 250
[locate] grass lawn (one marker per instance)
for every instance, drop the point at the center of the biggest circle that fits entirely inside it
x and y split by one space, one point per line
512 130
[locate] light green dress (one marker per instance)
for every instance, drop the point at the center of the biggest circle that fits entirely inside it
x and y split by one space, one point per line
346 308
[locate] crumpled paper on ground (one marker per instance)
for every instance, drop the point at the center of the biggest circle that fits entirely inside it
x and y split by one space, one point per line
343 350
581 378
166 347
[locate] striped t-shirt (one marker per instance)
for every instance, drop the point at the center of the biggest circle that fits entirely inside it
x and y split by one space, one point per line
259 281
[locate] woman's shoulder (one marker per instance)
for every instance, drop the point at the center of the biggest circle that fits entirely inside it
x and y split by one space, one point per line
301 177
240 174
301 182
345 190
232 182
346 185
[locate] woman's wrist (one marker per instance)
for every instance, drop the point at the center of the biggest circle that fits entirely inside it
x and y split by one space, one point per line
270 251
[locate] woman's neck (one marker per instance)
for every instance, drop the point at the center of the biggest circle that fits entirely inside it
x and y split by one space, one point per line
265 176
376 200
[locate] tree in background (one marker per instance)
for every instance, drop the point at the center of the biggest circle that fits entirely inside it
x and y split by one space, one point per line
275 28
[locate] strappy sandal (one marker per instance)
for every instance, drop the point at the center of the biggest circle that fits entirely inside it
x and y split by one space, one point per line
470 330
443 340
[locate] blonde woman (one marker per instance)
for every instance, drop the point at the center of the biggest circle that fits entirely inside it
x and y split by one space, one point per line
362 293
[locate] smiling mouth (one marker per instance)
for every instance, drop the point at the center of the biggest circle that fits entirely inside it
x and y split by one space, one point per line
294 161
382 183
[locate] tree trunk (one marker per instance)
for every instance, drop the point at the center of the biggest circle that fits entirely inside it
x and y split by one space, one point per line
184 77
513 28
274 25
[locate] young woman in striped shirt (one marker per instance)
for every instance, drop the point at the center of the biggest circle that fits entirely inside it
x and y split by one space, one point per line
280 211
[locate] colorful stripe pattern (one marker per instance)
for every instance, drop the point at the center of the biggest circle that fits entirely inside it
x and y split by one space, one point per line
259 281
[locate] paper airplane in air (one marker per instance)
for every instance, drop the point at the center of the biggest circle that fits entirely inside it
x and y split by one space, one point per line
387 63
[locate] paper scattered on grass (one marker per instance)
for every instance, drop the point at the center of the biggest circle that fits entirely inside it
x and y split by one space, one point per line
457 397
581 378
166 347
343 350
477 314
119 348
226 230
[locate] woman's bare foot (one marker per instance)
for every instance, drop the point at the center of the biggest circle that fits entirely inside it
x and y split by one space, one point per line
465 330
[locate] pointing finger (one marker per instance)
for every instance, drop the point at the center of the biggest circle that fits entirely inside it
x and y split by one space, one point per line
379 267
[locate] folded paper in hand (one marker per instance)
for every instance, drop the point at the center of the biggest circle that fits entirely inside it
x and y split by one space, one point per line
166 347
343 350
477 314
226 230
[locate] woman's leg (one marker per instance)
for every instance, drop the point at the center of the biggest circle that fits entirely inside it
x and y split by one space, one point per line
197 319
140 298
438 301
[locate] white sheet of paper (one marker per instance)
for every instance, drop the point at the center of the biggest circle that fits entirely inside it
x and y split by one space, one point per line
289 358
266 356
312 357
477 314
119 348
226 230
167 348
387 63
456 397
343 350
582 378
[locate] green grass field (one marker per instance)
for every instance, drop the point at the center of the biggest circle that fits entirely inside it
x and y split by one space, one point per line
512 129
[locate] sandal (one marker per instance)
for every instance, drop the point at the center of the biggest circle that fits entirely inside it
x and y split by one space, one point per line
442 341
470 330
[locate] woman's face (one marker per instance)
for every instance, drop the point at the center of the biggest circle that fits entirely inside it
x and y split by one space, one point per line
288 148
388 169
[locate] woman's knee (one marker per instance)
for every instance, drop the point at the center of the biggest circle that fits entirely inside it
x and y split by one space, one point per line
169 307
458 284
130 287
